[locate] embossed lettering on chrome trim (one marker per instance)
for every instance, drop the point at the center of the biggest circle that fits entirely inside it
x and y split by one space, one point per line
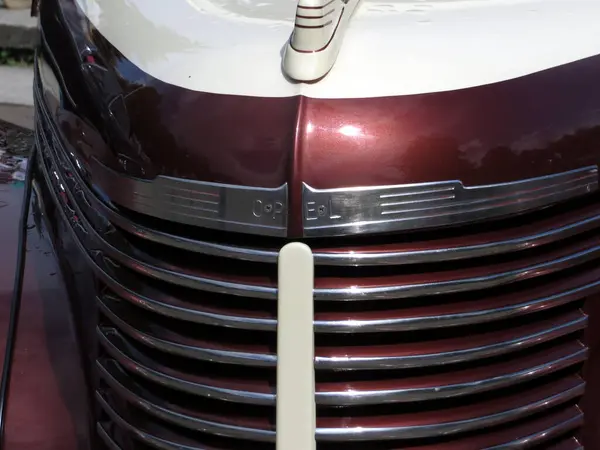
219 206
345 211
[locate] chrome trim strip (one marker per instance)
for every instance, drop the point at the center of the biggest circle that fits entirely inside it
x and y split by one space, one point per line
543 436
526 442
106 439
152 407
457 319
115 345
440 429
355 398
460 252
216 354
140 435
573 322
196 315
357 210
454 356
458 285
243 209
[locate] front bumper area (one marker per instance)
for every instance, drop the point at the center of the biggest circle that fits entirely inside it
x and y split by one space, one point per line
180 346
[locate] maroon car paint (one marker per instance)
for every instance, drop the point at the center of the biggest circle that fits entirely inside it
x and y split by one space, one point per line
47 408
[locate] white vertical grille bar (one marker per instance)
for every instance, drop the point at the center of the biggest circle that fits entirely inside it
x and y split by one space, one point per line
296 411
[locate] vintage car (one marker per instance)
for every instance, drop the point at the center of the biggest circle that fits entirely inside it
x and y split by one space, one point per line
385 211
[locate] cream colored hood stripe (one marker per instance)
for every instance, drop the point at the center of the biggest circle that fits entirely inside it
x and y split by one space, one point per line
390 47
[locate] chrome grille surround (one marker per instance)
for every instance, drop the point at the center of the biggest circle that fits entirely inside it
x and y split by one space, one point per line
142 305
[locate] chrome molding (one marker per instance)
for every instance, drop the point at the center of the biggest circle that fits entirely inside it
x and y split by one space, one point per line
564 391
495 378
549 434
219 206
575 390
540 437
162 339
399 290
343 211
331 212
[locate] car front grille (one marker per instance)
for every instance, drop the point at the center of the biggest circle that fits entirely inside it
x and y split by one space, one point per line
462 338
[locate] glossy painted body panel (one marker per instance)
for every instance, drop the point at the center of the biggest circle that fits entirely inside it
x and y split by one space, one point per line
47 407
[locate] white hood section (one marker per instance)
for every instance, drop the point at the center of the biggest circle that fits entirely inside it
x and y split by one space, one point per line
395 47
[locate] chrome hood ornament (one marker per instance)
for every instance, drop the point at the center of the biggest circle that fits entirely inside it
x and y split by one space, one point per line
318 33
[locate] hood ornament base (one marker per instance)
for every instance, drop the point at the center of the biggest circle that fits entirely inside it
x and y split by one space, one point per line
317 38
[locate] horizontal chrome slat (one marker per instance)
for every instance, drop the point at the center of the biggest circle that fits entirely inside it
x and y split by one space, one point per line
140 435
203 351
537 432
167 411
116 348
419 318
440 352
463 382
527 434
454 282
508 409
482 244
459 383
544 436
491 308
106 439
443 352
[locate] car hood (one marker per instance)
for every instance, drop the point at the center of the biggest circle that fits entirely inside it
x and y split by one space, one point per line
394 47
